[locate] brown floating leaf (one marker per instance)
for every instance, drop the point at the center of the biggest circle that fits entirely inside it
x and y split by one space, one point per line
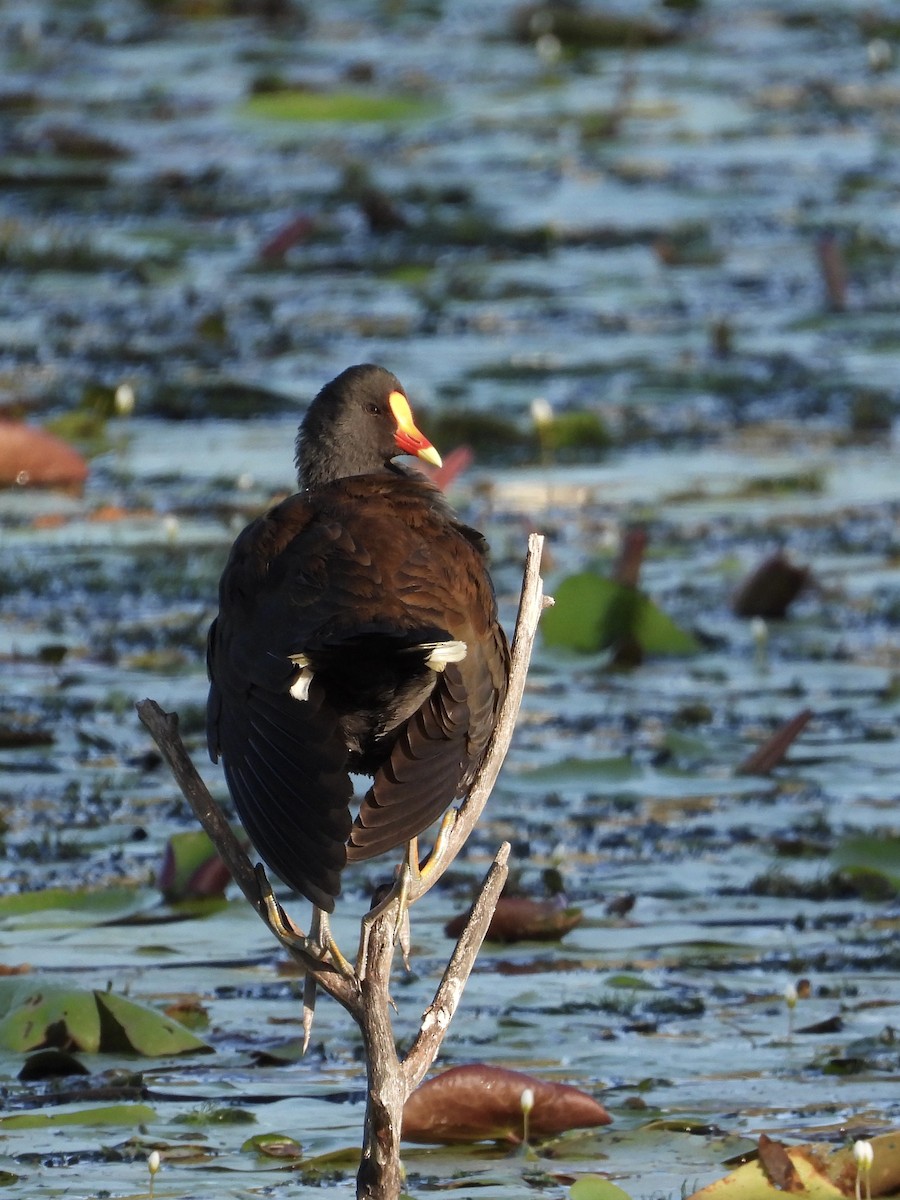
631 557
833 267
519 919
477 1102
830 1025
767 756
298 229
191 868
777 1164
771 588
31 457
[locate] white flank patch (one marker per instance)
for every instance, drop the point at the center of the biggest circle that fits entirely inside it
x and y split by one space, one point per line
445 652
300 686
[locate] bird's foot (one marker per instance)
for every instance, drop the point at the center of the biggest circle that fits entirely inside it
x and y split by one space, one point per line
318 944
323 945
386 897
276 918
410 871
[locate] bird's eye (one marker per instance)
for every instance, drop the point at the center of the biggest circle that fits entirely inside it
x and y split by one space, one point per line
373 409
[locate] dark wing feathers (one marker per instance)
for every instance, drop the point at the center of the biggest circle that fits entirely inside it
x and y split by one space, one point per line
354 576
291 789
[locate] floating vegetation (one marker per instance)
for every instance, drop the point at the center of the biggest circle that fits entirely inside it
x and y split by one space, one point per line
302 106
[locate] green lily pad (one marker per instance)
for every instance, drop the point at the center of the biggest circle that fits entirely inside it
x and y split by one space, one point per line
595 1187
593 613
619 767
273 1145
865 854
191 868
104 904
35 1014
299 105
143 1030
108 1114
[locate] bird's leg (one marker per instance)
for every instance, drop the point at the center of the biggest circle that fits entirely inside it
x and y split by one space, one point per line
276 918
324 945
319 944
438 850
411 870
384 897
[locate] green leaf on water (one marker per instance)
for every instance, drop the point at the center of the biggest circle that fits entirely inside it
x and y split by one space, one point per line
273 1145
869 855
35 1014
570 769
595 1187
191 868
108 1114
103 903
593 613
140 1029
300 105
629 983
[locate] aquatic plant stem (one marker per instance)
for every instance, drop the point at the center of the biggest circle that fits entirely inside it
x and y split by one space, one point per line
366 996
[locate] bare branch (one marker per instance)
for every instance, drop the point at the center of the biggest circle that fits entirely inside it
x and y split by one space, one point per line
437 1017
163 727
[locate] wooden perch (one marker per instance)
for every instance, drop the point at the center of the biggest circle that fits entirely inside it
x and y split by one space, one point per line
366 998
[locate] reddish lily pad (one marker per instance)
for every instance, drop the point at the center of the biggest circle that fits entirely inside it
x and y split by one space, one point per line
771 588
31 457
477 1103
519 918
191 868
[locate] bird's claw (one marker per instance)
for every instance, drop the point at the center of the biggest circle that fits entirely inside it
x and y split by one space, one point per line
318 944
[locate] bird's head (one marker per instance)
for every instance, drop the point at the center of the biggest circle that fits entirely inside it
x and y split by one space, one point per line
357 424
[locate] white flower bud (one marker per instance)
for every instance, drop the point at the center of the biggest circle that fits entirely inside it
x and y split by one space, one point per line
864 1155
124 400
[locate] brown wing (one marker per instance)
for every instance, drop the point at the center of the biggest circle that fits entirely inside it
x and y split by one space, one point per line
441 745
285 760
